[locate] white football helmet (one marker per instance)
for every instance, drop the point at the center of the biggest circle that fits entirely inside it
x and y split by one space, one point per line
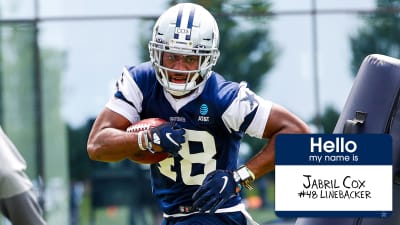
187 29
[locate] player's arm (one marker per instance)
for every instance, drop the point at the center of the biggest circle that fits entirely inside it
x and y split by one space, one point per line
108 140
280 121
213 193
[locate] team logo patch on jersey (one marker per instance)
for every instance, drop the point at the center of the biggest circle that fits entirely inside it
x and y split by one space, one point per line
250 98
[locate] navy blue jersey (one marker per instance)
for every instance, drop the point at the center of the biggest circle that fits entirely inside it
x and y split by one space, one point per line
215 118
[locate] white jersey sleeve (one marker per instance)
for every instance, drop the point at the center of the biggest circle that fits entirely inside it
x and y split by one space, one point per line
242 106
130 105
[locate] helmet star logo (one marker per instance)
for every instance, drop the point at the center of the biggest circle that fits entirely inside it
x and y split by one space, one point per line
252 100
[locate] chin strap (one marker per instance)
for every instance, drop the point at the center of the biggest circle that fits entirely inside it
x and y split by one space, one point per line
180 89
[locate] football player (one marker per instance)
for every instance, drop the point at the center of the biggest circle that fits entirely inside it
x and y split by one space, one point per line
207 118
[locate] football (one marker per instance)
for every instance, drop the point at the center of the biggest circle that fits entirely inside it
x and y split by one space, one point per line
143 125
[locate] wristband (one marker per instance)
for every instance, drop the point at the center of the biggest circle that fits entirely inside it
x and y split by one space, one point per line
143 135
244 176
149 146
140 143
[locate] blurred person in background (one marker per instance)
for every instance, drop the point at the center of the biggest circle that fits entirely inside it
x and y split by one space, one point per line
18 201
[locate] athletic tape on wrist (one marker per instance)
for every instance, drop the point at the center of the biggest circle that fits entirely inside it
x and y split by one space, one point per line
149 145
140 143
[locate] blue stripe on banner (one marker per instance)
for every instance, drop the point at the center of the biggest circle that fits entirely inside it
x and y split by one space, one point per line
190 23
333 149
178 21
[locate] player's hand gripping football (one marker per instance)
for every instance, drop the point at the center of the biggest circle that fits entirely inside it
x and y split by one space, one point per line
167 137
218 187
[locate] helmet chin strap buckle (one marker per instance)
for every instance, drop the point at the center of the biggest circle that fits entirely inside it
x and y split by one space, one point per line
179 89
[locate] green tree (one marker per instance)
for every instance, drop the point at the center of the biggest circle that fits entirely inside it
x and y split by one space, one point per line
328 119
379 34
247 52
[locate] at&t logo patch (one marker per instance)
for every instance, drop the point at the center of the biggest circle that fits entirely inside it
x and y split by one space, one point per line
203 112
203 109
